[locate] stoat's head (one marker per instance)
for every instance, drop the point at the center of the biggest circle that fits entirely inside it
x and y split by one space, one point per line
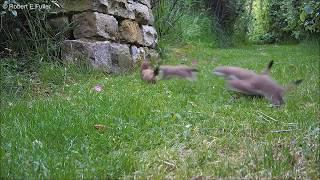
145 65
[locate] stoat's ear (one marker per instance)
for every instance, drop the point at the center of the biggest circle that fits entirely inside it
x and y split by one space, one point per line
268 68
156 70
145 65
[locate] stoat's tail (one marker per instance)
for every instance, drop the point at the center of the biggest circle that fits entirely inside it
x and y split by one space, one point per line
268 69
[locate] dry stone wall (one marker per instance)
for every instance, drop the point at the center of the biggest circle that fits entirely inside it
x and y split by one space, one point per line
112 35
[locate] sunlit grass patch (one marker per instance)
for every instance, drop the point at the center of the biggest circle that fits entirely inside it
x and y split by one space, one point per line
173 129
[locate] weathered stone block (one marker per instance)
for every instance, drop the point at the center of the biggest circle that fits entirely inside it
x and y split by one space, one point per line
100 37
145 2
150 54
140 54
121 8
121 58
84 5
95 25
143 14
110 57
131 32
150 36
60 25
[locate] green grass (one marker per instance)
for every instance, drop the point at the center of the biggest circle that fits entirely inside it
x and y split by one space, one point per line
173 129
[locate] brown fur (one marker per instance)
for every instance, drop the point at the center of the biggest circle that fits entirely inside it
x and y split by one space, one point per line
181 71
231 72
147 73
259 85
250 83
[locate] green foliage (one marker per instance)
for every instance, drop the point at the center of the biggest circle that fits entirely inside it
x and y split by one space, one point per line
243 22
27 41
17 75
33 76
278 21
182 21
197 28
167 17
28 33
310 16
224 15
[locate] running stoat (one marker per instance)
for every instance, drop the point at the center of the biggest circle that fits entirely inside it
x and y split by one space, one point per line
250 83
181 71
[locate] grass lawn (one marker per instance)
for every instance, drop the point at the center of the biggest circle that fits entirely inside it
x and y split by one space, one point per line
174 129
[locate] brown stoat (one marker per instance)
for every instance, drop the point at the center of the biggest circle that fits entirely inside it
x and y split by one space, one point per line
262 85
250 83
148 73
231 72
181 71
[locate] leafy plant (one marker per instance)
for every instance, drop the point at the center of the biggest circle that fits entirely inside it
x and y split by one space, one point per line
280 21
310 16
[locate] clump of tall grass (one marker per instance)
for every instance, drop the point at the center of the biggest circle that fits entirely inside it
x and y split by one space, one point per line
182 21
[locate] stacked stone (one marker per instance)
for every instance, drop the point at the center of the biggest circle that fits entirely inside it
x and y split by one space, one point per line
112 35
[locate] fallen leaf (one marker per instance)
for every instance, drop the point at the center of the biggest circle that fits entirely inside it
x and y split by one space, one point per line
100 126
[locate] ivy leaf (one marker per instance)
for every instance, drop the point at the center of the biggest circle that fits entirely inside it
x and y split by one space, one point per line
308 9
303 16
